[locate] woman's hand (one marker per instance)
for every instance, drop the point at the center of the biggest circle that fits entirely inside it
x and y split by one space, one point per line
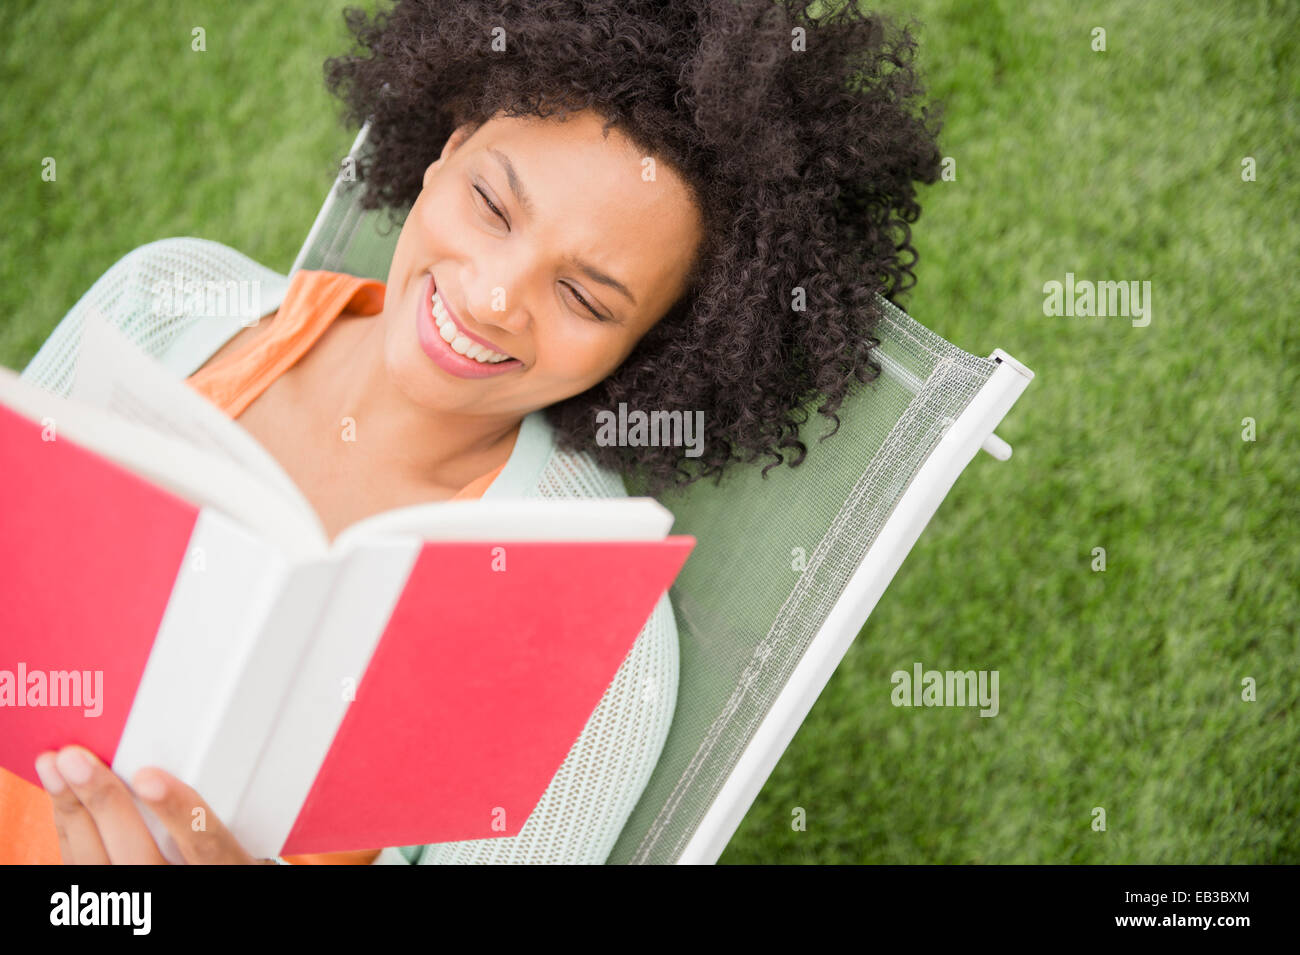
98 822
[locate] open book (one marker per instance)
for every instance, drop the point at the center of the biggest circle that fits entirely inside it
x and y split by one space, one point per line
168 597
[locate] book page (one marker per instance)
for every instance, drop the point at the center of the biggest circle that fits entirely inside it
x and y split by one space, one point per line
190 472
114 374
537 519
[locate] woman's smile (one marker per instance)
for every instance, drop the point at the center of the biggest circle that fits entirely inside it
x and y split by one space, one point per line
452 348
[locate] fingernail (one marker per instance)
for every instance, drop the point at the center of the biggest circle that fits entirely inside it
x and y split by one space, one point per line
50 778
150 787
74 766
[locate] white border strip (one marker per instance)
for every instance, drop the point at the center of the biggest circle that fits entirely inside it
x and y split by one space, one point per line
914 509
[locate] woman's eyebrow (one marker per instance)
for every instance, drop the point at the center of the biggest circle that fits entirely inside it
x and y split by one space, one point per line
516 186
522 197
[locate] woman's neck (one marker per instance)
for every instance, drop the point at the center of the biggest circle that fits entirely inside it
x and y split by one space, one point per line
342 385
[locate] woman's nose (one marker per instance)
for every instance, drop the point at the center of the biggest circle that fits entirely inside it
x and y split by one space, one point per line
512 319
500 306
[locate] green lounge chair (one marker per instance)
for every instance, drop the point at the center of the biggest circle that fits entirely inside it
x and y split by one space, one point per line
787 568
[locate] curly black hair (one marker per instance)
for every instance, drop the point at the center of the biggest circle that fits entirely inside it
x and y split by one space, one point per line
799 138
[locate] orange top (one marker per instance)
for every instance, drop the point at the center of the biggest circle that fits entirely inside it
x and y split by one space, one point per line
311 302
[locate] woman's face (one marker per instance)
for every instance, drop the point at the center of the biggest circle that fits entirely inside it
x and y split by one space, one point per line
544 241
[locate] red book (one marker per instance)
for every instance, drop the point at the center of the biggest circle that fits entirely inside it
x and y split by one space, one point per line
420 679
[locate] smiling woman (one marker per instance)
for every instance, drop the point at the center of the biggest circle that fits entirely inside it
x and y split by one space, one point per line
732 181
603 205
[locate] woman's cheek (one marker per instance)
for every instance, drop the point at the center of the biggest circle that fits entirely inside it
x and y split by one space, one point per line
583 357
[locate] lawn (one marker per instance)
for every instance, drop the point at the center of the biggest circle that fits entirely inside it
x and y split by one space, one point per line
1119 689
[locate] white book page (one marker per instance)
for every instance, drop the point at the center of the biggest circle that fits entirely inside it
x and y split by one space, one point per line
553 519
350 617
189 472
209 636
114 374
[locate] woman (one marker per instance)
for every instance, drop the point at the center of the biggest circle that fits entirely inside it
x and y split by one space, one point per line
676 206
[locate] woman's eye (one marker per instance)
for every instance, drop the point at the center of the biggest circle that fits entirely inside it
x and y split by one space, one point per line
574 293
495 210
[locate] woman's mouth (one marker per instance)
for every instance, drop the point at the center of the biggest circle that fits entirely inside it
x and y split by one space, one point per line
450 347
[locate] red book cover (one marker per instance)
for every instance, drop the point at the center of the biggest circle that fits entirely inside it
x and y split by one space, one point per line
473 697
485 673
89 553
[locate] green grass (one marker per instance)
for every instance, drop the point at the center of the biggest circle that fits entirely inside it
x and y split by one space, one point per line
1120 689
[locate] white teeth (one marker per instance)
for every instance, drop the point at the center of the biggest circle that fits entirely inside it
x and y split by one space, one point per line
460 343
